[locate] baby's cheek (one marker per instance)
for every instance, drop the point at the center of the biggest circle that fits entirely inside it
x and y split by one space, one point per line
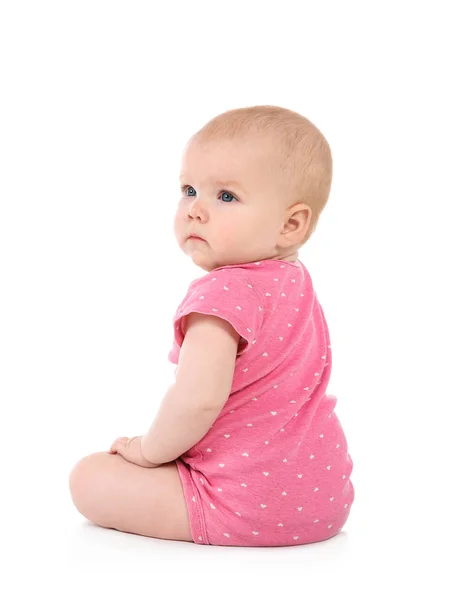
176 225
225 236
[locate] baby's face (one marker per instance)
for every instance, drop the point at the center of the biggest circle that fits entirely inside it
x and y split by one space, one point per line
232 198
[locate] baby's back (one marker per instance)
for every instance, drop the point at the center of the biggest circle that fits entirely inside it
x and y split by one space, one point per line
274 468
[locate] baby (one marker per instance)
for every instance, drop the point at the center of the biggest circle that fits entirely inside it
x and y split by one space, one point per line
246 449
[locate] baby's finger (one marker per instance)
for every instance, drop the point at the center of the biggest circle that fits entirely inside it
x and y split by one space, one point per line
117 444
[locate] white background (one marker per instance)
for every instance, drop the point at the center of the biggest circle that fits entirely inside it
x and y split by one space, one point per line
97 102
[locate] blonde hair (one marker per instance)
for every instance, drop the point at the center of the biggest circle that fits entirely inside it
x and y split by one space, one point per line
304 155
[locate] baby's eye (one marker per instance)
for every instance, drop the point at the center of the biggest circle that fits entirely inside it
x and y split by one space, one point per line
186 188
226 195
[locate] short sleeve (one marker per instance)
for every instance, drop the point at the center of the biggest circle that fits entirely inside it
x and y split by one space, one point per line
226 293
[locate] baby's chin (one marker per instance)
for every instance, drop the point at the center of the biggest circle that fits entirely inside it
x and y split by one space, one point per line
208 263
209 258
200 259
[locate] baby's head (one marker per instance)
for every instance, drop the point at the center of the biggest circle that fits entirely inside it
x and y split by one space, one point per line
254 182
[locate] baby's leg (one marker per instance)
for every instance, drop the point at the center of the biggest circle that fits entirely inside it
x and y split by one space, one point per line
114 493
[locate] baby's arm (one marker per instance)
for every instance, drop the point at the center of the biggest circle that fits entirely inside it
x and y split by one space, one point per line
202 386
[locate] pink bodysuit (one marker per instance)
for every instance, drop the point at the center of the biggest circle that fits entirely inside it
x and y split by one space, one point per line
273 470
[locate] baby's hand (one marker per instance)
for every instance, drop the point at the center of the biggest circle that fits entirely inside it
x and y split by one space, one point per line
129 448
